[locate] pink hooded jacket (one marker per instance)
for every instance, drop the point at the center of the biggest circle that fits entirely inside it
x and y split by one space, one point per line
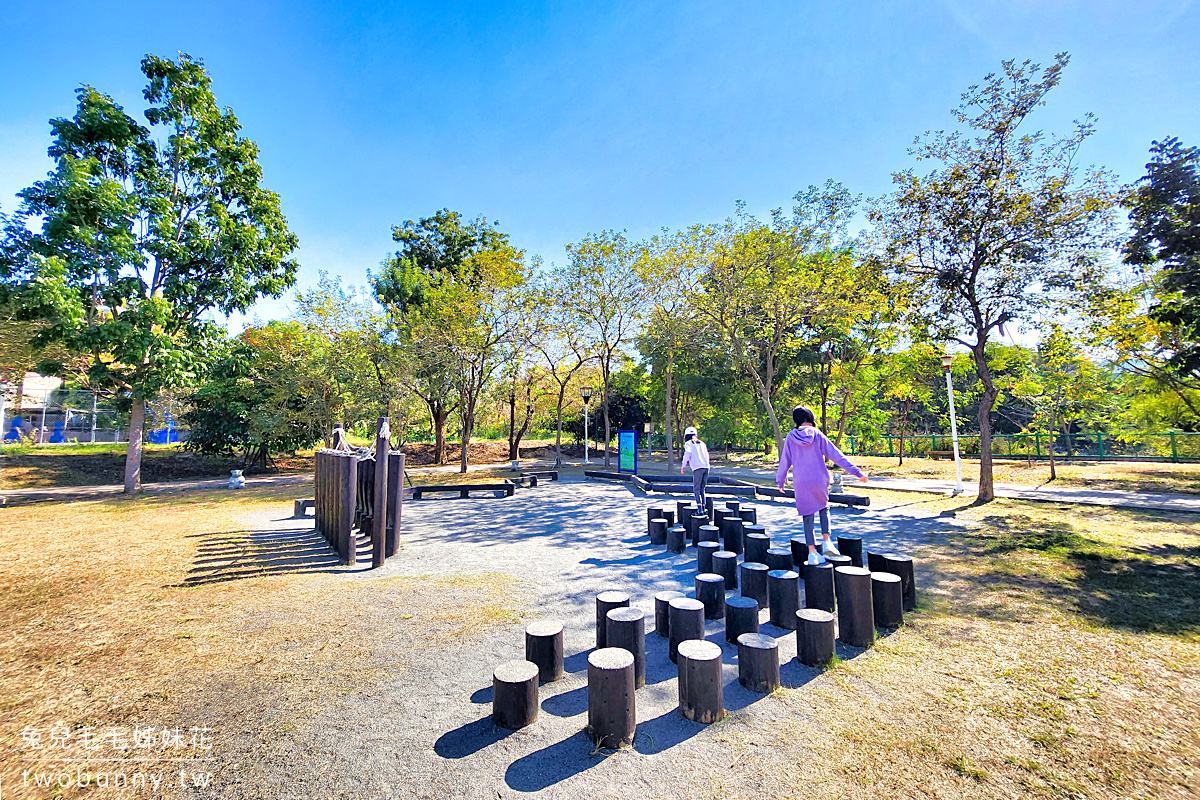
804 451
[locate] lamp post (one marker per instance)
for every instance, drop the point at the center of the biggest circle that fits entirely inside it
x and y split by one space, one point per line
586 394
947 360
649 448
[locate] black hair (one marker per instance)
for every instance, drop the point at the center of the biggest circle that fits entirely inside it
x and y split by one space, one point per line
689 436
803 414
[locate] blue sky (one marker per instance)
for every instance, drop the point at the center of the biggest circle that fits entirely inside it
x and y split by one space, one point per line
560 119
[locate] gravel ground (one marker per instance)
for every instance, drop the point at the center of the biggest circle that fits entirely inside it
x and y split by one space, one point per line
425 730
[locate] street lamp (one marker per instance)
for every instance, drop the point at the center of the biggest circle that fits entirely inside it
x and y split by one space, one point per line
947 360
649 449
586 394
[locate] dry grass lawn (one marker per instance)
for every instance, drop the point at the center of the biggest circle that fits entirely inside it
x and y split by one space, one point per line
1056 654
111 612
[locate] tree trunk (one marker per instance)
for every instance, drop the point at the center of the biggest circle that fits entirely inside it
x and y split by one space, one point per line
607 425
824 402
468 424
764 394
562 390
669 424
987 490
1053 472
439 414
133 453
512 425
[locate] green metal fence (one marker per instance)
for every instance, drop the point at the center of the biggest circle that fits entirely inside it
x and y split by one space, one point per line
1172 446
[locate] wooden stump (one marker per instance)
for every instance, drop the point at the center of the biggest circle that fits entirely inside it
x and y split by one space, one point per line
887 599
687 622
818 587
799 553
544 647
627 630
704 554
753 579
669 515
677 539
710 590
683 510
719 515
835 562
783 590
733 505
605 602
709 533
694 523
612 717
662 607
851 546
779 558
653 513
708 507
731 532
814 637
758 662
658 531
725 565
741 616
875 561
757 545
902 566
701 691
515 694
749 515
855 610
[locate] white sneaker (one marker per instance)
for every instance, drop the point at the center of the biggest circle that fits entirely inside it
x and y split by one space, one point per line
814 559
831 549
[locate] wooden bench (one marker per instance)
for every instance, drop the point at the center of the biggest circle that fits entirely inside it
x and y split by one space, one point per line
302 507
464 489
935 454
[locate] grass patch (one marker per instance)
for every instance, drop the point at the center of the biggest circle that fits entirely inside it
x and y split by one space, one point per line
100 624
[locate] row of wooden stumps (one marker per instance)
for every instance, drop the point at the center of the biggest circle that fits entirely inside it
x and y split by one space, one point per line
369 493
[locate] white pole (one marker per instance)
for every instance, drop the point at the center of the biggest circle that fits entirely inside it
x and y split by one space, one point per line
93 417
42 430
585 433
958 484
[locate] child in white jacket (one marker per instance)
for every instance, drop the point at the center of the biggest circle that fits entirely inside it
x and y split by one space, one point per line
695 455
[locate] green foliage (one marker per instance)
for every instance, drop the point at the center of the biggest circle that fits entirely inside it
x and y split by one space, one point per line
269 391
1165 212
1007 215
142 232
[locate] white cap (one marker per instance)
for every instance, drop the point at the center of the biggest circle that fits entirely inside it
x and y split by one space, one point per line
689 429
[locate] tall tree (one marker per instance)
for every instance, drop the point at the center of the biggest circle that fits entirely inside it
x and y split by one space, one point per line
669 267
143 232
456 290
1165 212
560 337
602 287
1007 216
765 281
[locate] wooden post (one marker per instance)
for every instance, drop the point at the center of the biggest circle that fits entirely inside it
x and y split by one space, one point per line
379 511
395 500
347 543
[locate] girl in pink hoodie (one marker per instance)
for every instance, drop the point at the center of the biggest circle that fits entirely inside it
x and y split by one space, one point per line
804 451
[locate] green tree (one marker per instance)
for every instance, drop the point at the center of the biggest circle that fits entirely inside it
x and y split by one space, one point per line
1165 212
144 231
1008 216
765 281
601 286
1062 386
560 337
268 391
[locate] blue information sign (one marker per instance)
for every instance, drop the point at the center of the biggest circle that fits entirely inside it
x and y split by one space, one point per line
627 451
